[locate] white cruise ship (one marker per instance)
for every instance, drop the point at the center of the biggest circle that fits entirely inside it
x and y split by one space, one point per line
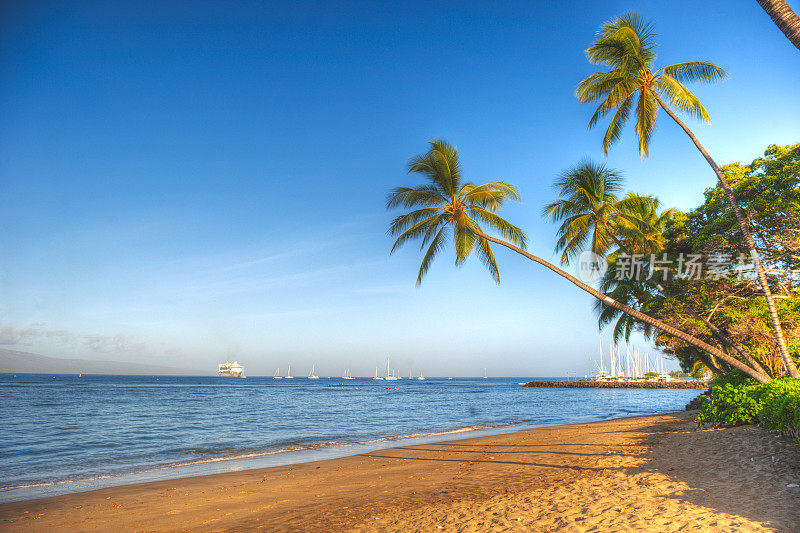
231 369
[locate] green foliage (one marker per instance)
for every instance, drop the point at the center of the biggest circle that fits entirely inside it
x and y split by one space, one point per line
587 209
626 46
730 405
768 189
735 399
447 207
781 406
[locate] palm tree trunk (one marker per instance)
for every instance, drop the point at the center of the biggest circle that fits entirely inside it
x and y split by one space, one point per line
715 331
761 378
788 363
783 17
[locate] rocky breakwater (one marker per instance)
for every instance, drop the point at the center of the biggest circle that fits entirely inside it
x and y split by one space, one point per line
588 384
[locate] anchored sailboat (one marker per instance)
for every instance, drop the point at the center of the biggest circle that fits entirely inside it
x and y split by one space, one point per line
389 375
312 375
277 374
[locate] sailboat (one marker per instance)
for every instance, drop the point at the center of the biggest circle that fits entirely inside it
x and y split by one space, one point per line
421 377
389 375
312 375
347 375
277 374
377 377
484 374
289 373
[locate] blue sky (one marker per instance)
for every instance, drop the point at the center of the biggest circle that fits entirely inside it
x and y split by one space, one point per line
186 182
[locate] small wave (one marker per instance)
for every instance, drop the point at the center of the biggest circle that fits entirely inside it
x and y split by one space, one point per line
265 453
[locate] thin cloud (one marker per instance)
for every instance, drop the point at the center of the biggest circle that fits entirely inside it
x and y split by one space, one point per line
24 336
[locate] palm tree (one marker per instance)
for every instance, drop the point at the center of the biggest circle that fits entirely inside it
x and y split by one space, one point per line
784 17
626 46
448 205
588 209
444 207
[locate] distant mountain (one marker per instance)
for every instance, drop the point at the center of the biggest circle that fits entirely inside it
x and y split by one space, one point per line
12 361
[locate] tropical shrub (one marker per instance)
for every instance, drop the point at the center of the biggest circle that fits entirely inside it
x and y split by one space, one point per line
780 406
732 401
735 399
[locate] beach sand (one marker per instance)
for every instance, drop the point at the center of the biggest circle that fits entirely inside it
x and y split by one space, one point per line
654 473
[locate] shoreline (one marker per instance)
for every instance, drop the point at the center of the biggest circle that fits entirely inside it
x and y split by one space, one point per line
273 459
655 469
267 459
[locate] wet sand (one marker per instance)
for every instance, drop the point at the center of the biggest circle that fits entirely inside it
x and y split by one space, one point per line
654 473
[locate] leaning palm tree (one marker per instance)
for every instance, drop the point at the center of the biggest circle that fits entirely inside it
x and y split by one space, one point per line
784 17
445 207
626 46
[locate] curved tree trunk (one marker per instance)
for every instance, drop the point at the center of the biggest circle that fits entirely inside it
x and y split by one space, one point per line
715 331
784 17
788 363
716 352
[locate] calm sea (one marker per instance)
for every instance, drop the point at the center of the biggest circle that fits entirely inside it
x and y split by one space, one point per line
64 434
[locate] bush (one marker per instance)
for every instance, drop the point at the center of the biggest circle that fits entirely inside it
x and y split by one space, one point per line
781 406
735 400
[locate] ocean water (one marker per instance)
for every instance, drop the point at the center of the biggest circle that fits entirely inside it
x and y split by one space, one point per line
62 433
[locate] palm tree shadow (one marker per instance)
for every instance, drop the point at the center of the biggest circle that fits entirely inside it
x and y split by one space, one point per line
738 471
741 471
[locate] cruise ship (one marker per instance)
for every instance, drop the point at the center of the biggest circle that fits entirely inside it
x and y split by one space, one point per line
231 369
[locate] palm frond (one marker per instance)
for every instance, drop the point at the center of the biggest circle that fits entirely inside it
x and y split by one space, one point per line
484 251
436 245
573 235
412 197
601 240
416 231
624 43
463 238
402 222
440 164
617 95
511 232
681 97
561 208
598 86
614 130
646 111
696 71
490 195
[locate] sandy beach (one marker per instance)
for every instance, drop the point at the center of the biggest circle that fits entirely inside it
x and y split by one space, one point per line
644 473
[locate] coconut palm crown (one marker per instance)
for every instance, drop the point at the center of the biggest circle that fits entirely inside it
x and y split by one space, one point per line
626 45
587 208
593 216
446 206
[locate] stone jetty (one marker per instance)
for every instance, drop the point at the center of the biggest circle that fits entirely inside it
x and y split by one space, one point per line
590 384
